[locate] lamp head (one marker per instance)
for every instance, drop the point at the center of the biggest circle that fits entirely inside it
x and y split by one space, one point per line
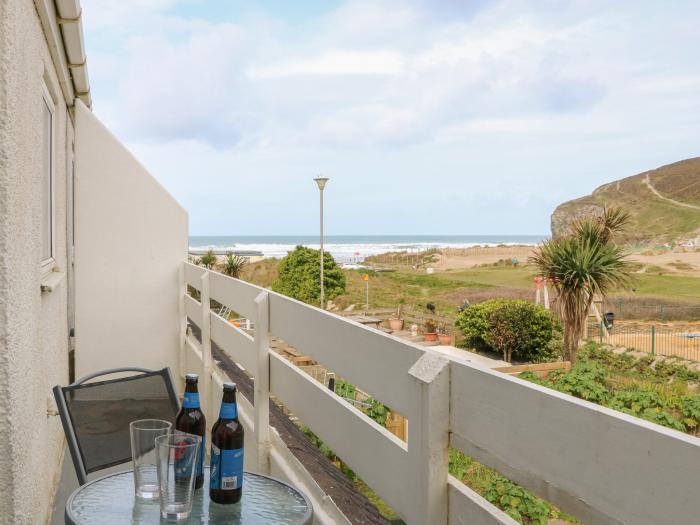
321 181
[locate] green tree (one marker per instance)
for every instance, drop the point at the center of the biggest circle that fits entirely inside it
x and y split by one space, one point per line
208 259
300 275
233 265
515 328
582 265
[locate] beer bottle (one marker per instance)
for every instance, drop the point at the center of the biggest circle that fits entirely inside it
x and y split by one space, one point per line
191 419
226 483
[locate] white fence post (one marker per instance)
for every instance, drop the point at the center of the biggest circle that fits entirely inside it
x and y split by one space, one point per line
183 326
206 349
428 439
262 381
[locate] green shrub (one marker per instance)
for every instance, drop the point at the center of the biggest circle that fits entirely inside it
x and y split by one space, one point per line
586 381
473 322
430 326
517 329
376 410
690 408
554 349
300 276
520 504
517 502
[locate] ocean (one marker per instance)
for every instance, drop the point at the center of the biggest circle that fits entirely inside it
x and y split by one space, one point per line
353 248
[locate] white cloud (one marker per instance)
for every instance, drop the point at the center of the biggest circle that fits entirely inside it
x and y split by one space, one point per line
377 88
335 62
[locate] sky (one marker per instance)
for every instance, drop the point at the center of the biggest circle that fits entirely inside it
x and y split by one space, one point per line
428 116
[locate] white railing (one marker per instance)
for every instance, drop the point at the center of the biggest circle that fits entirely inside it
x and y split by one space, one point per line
602 466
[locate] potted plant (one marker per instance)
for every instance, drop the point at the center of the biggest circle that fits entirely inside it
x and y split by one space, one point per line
444 338
396 323
430 330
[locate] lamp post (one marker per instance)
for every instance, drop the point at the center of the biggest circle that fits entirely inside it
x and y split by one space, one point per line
321 182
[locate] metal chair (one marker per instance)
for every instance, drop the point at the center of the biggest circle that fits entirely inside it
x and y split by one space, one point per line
96 415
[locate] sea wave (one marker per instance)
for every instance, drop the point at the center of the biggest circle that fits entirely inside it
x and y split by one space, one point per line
348 252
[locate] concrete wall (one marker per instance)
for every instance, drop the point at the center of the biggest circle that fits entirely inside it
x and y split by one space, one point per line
33 325
130 241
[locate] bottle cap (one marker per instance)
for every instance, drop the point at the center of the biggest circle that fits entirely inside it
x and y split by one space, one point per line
191 377
229 386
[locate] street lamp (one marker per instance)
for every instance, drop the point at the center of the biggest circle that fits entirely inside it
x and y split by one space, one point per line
321 182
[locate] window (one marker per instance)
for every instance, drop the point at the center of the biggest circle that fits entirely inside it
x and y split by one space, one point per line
47 182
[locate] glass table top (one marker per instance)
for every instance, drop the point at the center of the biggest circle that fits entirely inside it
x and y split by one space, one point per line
110 501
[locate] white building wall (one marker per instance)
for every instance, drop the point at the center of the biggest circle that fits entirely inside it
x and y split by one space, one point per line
130 241
33 325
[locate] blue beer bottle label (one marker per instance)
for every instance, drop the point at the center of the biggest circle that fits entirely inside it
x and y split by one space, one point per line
214 467
200 460
228 411
191 400
226 468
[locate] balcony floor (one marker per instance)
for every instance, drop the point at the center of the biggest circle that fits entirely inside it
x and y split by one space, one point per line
69 482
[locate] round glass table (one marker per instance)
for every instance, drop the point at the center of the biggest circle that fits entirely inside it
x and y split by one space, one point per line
110 501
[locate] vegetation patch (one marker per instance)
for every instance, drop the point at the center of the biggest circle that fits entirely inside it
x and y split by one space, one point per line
520 504
663 392
300 276
518 329
682 266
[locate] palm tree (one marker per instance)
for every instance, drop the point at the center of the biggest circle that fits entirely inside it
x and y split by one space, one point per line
233 264
605 226
585 264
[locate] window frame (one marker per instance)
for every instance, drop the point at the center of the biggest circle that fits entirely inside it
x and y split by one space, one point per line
48 264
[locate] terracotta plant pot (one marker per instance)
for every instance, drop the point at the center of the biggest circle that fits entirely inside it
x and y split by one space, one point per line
396 324
445 339
430 336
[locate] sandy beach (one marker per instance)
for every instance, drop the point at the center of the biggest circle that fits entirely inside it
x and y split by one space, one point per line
678 261
456 259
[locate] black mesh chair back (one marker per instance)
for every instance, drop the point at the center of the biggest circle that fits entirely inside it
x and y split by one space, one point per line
96 414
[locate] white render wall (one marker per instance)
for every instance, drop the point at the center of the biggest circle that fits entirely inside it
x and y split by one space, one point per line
130 241
33 325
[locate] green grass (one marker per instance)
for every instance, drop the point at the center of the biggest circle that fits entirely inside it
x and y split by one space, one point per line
520 504
449 288
445 290
416 282
485 276
667 286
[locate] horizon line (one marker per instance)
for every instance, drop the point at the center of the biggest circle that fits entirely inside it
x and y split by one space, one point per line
367 234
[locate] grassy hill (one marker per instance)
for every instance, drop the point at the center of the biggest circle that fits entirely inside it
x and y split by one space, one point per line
664 203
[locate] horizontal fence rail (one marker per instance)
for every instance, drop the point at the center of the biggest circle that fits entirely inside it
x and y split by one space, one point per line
354 437
347 348
602 466
592 461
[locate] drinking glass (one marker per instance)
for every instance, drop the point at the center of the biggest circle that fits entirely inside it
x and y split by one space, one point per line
177 468
143 455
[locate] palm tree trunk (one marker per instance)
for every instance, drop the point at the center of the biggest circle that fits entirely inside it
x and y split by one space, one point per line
574 312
